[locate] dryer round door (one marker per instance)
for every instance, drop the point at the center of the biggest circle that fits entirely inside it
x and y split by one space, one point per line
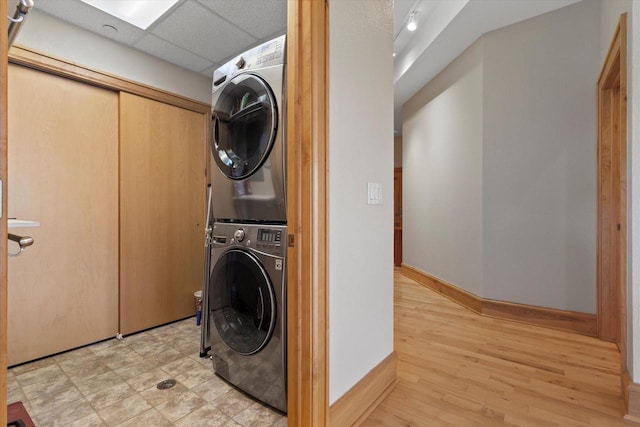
242 301
244 125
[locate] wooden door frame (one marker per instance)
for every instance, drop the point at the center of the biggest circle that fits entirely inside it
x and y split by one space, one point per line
308 204
612 216
307 165
3 221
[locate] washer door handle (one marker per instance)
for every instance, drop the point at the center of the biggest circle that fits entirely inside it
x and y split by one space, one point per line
261 313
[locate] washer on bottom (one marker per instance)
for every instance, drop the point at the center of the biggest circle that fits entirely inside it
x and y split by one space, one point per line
247 309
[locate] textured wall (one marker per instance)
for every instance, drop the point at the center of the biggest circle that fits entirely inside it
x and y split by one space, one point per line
500 164
361 151
539 181
442 174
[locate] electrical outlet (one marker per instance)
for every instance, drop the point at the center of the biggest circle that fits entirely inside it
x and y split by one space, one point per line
374 193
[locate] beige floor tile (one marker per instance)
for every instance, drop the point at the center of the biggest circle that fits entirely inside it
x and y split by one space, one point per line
91 420
63 415
132 371
180 366
206 416
195 376
47 387
32 366
109 396
155 396
182 405
124 410
56 398
97 383
103 345
257 415
39 375
90 370
151 418
15 395
212 389
147 379
113 383
80 353
121 358
85 359
204 361
233 402
167 356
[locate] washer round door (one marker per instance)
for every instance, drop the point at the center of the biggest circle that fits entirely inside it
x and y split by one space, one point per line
244 125
242 301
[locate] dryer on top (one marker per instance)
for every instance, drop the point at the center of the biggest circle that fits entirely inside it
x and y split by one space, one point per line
248 137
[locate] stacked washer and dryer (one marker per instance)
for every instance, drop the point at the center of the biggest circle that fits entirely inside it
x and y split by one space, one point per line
245 326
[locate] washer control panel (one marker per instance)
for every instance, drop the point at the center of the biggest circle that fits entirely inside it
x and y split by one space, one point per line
269 239
239 235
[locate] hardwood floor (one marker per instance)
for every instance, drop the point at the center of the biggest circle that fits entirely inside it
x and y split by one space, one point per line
457 368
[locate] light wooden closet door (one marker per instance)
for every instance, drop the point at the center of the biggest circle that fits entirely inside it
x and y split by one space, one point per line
162 198
63 172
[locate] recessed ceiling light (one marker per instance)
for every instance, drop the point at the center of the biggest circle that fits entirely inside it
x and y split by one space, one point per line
140 13
412 25
109 29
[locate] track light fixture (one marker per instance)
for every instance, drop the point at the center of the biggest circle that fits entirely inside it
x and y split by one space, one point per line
411 25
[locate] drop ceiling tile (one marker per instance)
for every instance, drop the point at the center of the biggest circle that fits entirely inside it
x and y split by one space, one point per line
197 29
90 18
259 18
209 71
156 46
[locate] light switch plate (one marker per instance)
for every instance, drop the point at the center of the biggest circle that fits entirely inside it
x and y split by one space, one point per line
374 193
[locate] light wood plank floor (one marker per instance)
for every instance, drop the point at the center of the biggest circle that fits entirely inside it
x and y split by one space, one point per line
456 368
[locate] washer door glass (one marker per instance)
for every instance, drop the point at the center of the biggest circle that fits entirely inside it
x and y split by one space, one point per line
242 301
245 120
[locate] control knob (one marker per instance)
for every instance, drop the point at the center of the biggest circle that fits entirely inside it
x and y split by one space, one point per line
241 63
239 235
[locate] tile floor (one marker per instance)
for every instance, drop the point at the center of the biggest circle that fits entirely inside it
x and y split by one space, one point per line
113 383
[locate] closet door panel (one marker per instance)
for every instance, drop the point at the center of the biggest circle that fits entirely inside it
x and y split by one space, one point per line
63 172
162 188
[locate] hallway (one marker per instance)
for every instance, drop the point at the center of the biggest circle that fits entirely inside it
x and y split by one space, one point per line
456 368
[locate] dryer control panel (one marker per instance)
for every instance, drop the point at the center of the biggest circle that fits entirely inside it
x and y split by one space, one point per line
266 55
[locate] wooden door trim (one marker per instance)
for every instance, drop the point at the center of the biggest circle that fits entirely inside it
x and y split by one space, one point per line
612 109
307 195
27 57
3 221
612 81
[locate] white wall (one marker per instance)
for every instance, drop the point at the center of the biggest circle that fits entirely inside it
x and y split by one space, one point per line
500 164
361 151
56 37
442 174
610 11
540 157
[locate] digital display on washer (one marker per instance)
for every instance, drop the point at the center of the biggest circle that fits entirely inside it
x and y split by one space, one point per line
269 236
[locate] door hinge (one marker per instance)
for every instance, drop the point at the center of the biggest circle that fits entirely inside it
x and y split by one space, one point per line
291 240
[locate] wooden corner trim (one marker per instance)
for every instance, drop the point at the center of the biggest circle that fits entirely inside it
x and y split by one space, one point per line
631 394
27 57
572 321
361 400
454 293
